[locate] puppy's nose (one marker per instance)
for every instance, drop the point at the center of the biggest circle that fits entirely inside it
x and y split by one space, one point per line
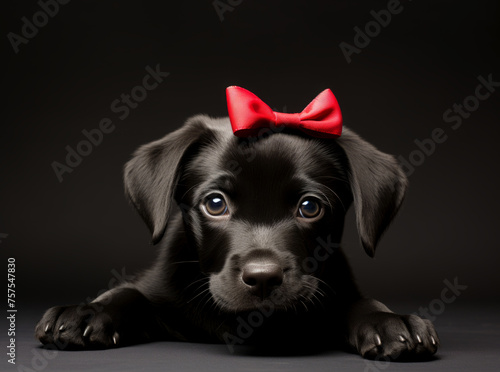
262 278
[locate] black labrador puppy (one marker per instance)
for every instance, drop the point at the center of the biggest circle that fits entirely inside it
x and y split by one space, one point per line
251 254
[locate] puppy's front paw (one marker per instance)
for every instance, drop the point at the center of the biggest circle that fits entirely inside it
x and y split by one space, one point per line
78 326
384 335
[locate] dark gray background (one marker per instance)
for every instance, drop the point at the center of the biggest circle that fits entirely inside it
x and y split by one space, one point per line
70 238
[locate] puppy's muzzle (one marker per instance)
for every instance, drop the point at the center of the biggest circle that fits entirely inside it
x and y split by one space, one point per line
262 277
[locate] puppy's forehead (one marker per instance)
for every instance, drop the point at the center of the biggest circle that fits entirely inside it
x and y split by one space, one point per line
269 163
280 154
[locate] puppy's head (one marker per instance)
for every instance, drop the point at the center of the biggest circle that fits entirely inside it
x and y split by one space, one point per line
255 209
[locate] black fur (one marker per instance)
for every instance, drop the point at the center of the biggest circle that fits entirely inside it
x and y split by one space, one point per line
261 274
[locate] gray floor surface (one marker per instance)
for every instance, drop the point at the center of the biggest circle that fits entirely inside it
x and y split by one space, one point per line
470 337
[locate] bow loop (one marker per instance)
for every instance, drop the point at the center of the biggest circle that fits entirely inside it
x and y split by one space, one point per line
249 114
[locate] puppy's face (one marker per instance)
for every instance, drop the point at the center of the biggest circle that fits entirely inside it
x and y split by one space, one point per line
256 210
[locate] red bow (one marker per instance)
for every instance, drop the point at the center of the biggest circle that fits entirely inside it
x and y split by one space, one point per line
248 114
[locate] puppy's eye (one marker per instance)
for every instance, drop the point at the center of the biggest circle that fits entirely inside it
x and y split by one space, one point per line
309 207
216 205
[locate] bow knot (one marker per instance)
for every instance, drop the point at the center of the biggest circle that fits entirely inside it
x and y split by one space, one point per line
249 114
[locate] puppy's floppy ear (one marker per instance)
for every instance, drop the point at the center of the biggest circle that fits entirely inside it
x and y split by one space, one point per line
378 186
152 174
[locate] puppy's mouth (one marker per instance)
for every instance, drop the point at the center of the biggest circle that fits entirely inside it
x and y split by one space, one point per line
261 285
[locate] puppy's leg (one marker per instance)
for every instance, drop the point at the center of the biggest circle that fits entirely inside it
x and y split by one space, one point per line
121 316
374 331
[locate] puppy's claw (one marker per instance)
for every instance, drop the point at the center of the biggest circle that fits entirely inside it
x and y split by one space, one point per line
433 341
62 328
402 339
46 330
116 338
87 331
419 339
378 341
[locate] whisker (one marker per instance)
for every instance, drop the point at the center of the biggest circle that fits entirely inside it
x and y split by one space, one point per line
201 286
205 290
179 262
188 190
206 299
325 283
316 290
196 281
315 297
335 178
215 304
334 193
327 200
312 294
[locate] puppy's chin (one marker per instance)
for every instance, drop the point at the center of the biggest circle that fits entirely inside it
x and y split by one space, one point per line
301 295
